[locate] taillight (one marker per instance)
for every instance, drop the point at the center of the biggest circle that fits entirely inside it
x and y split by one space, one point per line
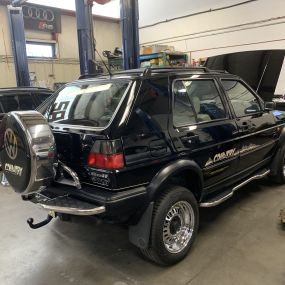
106 155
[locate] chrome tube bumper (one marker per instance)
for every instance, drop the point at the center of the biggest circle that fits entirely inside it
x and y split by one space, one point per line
68 205
74 211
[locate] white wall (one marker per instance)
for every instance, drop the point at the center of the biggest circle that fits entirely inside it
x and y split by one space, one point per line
161 10
253 26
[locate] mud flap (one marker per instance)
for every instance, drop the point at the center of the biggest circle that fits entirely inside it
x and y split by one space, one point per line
140 233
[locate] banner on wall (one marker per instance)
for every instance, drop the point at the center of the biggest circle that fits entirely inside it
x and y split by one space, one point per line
41 18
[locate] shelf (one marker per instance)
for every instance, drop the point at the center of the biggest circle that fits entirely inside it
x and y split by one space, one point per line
145 57
161 59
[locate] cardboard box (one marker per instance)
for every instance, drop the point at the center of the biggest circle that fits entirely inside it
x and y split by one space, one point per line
155 49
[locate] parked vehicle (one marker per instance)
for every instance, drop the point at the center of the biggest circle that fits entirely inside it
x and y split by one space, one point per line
21 98
145 148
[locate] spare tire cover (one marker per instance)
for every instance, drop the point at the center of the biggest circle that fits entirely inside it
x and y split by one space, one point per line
27 151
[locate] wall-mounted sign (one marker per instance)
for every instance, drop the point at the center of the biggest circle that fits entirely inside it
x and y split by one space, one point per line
42 18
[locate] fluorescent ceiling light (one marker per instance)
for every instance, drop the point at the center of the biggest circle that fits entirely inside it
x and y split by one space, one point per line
111 9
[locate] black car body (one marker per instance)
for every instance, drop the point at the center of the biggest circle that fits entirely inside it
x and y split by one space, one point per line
147 147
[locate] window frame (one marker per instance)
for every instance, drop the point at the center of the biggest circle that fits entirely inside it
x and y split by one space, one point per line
258 98
227 116
43 43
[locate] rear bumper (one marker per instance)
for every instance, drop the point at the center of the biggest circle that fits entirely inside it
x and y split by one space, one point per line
92 201
71 206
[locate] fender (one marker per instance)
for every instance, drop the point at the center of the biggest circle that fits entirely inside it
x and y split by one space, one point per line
169 170
281 138
139 233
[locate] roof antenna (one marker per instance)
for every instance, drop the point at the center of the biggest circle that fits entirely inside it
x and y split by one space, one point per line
108 69
94 40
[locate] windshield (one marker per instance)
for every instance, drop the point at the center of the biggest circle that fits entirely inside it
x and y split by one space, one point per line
87 104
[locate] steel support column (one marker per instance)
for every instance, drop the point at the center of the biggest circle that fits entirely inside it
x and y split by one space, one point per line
129 20
17 31
86 44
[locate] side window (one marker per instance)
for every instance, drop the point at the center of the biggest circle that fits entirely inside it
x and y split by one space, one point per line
196 101
152 108
183 112
26 102
243 101
155 97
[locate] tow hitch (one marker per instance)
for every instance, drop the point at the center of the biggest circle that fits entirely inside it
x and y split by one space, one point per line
50 216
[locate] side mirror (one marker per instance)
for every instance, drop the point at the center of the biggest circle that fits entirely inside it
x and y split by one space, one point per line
269 106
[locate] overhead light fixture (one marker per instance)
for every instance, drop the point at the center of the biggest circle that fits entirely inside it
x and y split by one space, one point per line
18 3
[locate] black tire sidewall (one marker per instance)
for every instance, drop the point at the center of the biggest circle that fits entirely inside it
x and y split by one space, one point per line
174 195
279 177
281 164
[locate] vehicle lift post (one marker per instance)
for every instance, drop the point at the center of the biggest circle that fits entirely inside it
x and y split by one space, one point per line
130 35
16 22
86 42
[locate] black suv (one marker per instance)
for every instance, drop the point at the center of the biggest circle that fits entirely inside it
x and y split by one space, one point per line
145 148
21 98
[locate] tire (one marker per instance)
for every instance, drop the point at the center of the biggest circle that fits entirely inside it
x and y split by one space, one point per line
27 151
170 211
279 176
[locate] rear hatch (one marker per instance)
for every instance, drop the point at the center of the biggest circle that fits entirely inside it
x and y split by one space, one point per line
79 115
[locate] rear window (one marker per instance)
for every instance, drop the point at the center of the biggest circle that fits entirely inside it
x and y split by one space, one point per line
42 96
89 104
10 103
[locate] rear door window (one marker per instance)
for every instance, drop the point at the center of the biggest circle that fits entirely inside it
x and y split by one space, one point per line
196 101
88 104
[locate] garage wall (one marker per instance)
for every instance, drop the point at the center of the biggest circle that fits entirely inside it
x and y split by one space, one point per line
215 27
252 25
65 67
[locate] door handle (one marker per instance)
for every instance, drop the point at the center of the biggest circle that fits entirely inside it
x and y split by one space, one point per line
247 126
244 126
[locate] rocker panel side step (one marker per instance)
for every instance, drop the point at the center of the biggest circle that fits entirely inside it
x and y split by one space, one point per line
68 205
221 197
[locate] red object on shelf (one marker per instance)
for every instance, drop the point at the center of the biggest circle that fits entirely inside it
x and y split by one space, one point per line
102 2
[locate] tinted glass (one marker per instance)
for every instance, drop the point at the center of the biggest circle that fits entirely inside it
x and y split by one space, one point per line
42 96
197 101
26 102
243 101
9 103
183 113
88 104
151 110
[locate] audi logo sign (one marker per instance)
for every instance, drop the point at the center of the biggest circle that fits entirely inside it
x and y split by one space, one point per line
41 18
38 13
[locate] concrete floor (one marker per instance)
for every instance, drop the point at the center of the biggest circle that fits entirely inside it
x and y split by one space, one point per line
240 242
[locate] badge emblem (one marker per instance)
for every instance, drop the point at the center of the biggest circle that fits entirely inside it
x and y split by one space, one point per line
10 143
